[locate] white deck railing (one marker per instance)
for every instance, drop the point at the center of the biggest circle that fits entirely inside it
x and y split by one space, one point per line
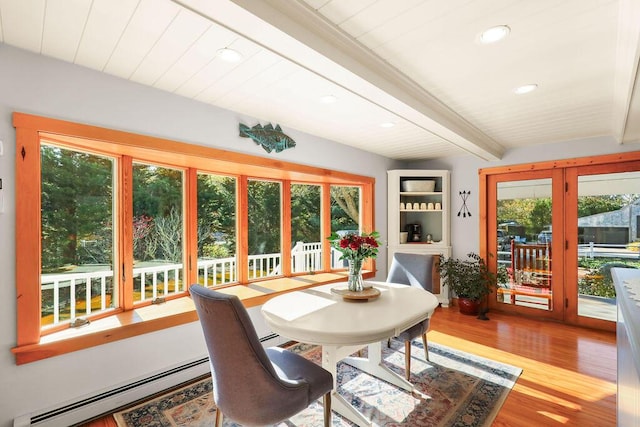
165 279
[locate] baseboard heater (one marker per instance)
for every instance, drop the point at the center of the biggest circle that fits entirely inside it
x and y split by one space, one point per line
109 401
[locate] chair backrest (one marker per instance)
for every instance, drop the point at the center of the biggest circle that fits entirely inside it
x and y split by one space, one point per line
531 263
245 384
530 256
419 270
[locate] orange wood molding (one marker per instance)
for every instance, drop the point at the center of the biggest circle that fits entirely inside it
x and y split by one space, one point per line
153 318
565 163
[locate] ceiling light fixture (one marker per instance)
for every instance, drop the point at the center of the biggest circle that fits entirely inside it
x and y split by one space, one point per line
521 90
229 55
328 99
494 34
387 125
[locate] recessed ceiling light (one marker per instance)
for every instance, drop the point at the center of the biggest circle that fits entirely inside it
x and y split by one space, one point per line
229 55
387 125
494 34
521 90
328 99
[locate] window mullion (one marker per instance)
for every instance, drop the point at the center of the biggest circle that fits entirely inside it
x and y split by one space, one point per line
326 225
125 215
191 228
367 219
285 227
242 213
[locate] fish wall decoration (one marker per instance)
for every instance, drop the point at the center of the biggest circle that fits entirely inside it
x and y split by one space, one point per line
269 137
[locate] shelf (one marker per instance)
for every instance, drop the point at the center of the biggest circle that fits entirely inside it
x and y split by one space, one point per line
420 243
431 222
421 193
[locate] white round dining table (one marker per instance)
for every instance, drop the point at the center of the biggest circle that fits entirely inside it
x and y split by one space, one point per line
341 326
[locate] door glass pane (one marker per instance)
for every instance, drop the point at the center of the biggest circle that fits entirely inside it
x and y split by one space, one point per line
158 231
306 244
345 216
77 234
216 230
264 228
524 243
608 237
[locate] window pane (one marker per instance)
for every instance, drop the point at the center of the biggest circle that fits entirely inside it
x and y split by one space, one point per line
306 245
345 216
264 228
158 230
524 243
77 234
608 212
216 230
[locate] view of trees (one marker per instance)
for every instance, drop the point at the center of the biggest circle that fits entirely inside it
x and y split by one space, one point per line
535 214
264 217
77 212
77 209
157 213
305 213
216 216
345 208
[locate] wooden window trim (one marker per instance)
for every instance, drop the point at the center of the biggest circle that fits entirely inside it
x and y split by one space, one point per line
153 318
31 130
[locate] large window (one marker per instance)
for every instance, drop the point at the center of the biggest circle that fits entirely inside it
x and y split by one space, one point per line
77 234
264 228
345 215
217 262
110 223
306 228
158 232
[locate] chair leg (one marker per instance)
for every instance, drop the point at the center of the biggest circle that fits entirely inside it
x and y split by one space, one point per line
219 416
326 402
389 343
407 359
426 348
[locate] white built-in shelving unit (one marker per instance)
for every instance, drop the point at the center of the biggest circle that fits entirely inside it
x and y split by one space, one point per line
429 209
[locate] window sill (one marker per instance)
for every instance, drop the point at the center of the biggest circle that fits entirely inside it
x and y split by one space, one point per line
157 317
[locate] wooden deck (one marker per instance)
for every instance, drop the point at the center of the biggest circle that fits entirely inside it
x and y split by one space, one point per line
569 373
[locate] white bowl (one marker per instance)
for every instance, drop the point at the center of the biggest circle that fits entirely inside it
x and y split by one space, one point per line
419 185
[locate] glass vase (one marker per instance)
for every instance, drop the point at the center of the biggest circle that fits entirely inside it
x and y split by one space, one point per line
354 280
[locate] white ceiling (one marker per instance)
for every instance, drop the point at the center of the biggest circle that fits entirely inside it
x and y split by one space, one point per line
415 63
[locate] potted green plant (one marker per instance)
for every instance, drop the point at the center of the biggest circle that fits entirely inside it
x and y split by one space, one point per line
470 279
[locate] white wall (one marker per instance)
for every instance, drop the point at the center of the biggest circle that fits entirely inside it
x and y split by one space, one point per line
464 177
43 86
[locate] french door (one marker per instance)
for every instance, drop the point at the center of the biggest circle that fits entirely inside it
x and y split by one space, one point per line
553 234
524 226
602 223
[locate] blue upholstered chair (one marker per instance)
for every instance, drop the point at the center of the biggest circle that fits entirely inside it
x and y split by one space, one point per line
252 385
414 270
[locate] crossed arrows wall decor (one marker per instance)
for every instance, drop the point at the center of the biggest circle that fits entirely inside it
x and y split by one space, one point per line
464 210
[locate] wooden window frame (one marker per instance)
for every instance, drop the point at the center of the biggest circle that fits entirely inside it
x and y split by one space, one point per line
132 320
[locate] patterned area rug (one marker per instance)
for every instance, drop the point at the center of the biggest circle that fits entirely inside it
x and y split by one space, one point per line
454 389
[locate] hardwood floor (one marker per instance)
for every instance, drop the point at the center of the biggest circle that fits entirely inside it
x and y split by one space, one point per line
569 373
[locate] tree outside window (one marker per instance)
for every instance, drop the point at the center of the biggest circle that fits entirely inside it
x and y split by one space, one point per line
217 258
158 231
77 234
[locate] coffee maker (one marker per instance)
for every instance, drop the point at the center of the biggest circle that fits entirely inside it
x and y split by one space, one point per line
415 232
